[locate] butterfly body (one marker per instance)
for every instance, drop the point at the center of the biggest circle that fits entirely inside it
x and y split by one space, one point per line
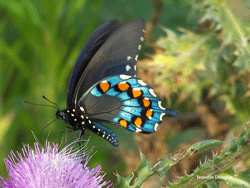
75 118
103 87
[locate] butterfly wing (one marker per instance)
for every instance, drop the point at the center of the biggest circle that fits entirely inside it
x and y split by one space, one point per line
118 55
94 42
126 101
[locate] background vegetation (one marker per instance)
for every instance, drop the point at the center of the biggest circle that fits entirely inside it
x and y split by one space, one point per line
196 56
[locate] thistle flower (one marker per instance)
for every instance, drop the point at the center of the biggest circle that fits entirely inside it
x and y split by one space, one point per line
47 167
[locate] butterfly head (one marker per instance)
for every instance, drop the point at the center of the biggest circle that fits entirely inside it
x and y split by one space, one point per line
61 115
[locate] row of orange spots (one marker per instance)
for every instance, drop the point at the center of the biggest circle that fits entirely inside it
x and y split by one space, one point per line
137 122
123 86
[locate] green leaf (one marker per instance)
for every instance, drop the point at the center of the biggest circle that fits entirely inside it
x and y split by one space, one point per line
205 145
144 171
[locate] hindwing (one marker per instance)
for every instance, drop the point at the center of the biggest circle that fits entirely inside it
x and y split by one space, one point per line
126 101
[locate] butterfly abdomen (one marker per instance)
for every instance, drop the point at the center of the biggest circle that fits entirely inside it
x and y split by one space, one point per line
104 132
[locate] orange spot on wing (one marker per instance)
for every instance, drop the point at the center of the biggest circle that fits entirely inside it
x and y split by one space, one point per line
149 113
104 86
146 102
123 86
123 123
136 93
138 122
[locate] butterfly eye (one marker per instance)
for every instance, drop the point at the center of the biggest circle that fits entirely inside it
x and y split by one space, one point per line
60 114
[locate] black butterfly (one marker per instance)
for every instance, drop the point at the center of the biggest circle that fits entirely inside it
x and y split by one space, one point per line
103 88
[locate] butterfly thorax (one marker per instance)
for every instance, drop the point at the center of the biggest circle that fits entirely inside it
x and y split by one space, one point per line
76 118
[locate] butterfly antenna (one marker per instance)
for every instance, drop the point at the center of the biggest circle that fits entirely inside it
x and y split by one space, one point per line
42 105
51 102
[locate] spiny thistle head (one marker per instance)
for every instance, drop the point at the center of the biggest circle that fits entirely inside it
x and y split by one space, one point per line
47 167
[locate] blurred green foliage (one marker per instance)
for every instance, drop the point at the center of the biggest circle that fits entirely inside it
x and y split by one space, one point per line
210 173
208 66
40 41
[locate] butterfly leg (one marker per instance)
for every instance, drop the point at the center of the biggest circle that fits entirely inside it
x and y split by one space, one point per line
104 132
81 135
70 130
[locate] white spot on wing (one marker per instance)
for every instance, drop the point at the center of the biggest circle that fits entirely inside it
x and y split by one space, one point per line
152 92
104 81
123 82
139 47
143 31
142 83
82 109
156 125
135 67
136 89
159 104
128 67
129 57
124 77
162 114
142 38
136 57
138 130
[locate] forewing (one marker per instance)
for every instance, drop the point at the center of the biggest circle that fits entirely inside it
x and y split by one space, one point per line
94 42
118 55
126 101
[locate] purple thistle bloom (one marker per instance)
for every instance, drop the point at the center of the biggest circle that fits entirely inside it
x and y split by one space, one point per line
49 168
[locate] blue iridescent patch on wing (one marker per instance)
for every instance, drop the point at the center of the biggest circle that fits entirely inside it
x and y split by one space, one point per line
140 109
132 110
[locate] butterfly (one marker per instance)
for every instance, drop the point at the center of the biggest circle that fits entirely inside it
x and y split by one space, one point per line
103 87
